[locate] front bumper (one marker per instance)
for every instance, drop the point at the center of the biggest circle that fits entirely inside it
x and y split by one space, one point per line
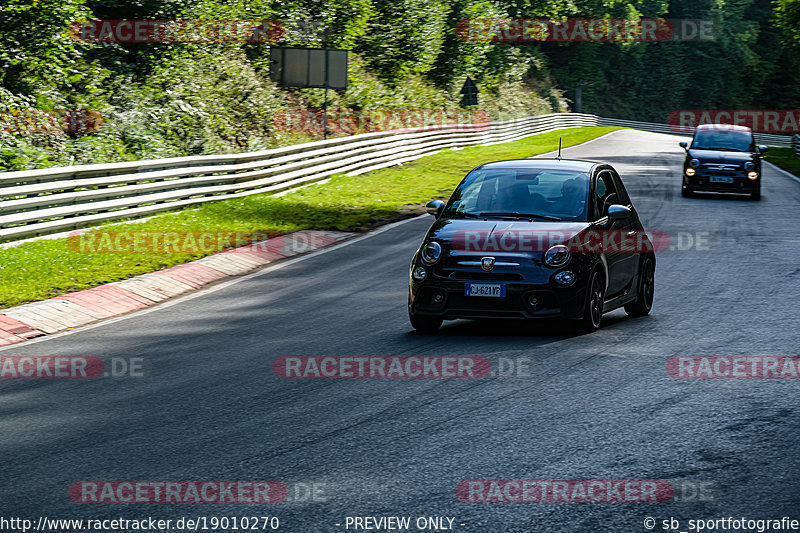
554 302
739 183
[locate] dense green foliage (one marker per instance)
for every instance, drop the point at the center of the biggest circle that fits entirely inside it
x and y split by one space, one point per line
752 62
169 99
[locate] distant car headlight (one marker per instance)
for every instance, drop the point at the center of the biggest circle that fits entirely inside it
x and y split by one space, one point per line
749 165
419 273
694 163
557 255
431 253
690 172
753 175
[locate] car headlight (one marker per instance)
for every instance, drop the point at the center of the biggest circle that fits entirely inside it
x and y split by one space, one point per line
431 253
419 273
690 172
694 163
749 165
753 175
557 255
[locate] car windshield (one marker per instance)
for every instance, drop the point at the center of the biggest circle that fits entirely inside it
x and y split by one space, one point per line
521 193
723 139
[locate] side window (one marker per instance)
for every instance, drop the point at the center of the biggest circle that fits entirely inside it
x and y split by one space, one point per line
605 193
622 194
600 190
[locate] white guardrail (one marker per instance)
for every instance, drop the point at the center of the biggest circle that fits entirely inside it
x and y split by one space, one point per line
46 201
796 144
769 139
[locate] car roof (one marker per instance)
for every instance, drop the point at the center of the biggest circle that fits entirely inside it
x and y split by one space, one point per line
733 127
577 165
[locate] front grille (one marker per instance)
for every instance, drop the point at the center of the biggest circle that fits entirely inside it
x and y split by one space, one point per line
714 168
489 276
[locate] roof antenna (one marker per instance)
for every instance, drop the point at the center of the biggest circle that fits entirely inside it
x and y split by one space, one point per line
559 149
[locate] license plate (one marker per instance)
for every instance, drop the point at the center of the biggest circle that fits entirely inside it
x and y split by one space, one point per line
720 179
493 290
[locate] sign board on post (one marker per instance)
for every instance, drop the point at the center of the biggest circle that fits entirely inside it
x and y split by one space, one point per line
324 68
469 92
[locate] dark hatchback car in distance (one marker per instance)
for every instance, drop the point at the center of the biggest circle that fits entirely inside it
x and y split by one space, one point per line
532 238
722 158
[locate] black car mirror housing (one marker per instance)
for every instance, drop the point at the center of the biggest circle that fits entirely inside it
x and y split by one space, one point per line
618 212
763 148
435 207
683 144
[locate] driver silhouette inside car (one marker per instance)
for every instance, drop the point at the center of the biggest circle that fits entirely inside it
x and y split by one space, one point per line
517 198
573 192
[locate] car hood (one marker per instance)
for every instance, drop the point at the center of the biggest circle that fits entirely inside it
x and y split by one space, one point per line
449 231
715 156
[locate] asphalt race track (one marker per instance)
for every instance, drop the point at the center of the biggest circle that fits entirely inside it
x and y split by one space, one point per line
577 407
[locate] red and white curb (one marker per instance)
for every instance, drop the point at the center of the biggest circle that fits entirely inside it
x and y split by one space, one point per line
77 309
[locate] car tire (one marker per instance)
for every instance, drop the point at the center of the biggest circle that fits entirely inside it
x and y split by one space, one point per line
756 194
687 193
593 308
425 324
644 297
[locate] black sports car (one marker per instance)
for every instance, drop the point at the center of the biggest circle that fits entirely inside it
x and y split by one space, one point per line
722 158
533 238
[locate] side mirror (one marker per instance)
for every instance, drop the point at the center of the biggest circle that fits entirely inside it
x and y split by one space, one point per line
683 144
434 207
763 148
618 212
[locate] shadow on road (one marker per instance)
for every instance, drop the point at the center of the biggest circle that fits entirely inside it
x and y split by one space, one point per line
721 196
542 329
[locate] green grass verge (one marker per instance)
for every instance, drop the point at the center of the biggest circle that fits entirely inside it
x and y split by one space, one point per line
785 158
48 267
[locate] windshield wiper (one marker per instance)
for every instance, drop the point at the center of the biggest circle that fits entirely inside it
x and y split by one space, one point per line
519 215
